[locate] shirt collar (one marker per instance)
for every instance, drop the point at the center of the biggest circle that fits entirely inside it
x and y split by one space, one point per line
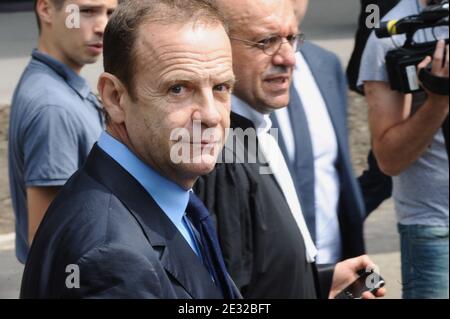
299 59
75 81
261 121
169 196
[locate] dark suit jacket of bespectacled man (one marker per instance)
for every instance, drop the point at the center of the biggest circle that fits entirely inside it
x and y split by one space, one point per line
118 229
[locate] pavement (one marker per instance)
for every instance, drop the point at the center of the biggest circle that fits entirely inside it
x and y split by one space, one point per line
330 24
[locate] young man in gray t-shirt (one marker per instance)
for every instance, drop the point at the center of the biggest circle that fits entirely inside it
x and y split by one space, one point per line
55 119
409 145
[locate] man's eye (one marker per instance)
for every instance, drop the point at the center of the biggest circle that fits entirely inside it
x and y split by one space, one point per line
270 41
292 38
222 88
264 41
87 12
177 89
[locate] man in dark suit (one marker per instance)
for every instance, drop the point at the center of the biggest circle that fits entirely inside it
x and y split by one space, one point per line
314 141
126 225
266 243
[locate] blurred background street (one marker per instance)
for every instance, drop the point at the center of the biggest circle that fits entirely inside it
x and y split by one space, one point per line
329 23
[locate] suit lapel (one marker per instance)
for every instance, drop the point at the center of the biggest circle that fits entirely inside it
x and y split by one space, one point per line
176 256
239 122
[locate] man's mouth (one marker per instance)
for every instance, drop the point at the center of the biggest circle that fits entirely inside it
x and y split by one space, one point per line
280 82
278 79
97 47
205 143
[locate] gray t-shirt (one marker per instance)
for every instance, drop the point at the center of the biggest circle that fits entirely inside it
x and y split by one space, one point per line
421 191
54 122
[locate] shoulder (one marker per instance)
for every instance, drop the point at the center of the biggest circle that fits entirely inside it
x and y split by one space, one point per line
319 60
78 217
85 215
116 270
88 227
40 87
37 122
401 10
377 46
311 49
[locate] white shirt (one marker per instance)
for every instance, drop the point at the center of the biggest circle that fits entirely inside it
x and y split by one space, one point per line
325 152
279 168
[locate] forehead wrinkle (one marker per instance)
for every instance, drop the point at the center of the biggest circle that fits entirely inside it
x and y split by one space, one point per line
248 20
93 3
273 29
165 53
195 56
170 60
186 70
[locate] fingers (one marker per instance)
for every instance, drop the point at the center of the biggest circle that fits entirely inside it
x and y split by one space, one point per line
380 292
438 57
364 262
424 63
440 60
367 295
446 61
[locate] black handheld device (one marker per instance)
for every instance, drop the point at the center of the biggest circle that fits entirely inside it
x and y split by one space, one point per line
367 281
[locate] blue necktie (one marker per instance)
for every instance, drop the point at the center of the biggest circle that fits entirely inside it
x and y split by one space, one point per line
304 160
211 253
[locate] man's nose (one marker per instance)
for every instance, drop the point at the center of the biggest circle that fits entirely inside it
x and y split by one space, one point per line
285 56
100 23
207 111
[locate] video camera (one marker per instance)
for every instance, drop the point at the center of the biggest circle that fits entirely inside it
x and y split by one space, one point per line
402 63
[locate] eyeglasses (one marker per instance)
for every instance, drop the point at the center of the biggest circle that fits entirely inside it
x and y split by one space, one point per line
272 45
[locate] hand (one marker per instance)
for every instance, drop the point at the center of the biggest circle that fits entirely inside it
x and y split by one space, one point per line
439 67
346 272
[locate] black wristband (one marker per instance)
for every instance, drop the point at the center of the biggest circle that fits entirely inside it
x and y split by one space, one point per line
435 84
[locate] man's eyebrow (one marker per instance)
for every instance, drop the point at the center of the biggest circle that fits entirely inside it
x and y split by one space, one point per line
180 78
167 83
96 7
230 80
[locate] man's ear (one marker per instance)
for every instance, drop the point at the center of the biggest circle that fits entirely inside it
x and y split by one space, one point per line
113 95
45 10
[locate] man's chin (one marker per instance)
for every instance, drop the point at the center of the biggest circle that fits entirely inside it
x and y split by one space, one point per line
203 166
91 59
275 103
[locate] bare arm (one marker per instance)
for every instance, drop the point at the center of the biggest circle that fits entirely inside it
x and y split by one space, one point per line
38 200
399 139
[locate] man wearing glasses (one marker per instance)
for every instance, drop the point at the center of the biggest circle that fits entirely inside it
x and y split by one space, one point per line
314 141
266 244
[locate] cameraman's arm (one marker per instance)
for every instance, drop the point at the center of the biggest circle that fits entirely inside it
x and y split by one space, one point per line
399 139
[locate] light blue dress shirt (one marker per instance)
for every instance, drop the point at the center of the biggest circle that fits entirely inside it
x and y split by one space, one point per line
169 196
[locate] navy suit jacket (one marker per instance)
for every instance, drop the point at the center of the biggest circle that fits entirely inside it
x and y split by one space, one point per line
106 224
332 84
